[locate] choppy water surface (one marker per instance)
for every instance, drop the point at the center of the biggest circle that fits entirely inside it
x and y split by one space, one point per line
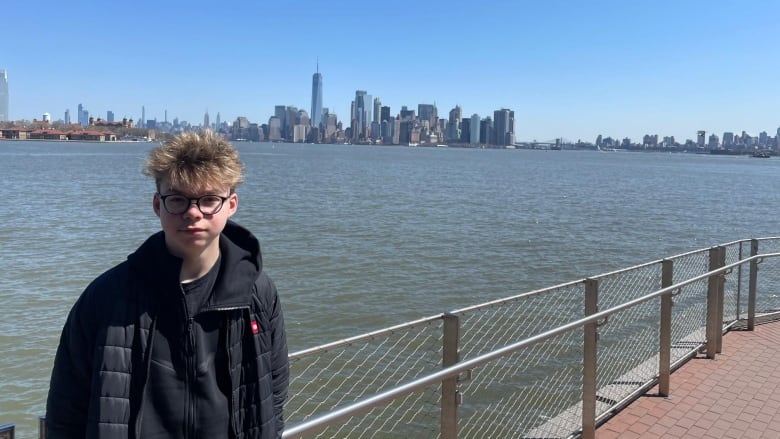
359 238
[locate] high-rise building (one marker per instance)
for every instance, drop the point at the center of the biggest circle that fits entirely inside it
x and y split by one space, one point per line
728 139
384 113
700 138
427 112
465 130
4 115
316 98
109 116
290 120
453 127
504 124
474 129
206 121
406 114
362 114
280 112
83 116
377 110
486 134
67 117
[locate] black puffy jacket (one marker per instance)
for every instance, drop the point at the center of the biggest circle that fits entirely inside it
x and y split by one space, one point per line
102 361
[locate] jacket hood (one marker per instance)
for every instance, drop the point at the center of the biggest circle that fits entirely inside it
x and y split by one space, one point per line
240 264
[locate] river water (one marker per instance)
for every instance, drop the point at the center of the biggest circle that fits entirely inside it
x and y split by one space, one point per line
359 238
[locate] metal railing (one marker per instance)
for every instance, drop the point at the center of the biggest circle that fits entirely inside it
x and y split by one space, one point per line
546 363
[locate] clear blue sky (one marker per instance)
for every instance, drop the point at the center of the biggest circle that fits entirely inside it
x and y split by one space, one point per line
569 69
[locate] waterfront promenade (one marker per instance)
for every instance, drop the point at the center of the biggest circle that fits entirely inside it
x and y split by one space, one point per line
736 395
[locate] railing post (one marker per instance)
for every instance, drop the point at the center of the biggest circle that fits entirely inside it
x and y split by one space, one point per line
739 283
590 361
449 387
665 341
7 431
41 427
713 326
721 298
751 323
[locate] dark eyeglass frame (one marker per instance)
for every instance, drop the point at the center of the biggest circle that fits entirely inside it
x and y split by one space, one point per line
195 200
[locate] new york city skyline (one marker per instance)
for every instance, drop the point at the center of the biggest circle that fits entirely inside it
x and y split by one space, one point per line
571 71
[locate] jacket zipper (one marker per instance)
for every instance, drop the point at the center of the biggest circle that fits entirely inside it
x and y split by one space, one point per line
191 374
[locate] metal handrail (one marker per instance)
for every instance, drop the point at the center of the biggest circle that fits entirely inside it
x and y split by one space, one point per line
323 421
366 336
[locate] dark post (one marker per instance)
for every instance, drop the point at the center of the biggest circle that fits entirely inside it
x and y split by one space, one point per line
590 359
713 326
665 342
721 299
751 323
449 386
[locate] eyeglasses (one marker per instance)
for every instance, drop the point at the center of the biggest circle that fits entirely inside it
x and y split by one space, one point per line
178 204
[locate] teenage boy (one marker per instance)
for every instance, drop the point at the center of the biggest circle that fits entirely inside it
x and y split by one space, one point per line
186 337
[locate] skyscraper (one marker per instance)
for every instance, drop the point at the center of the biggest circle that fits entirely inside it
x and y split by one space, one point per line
504 124
362 105
83 116
316 98
4 117
377 110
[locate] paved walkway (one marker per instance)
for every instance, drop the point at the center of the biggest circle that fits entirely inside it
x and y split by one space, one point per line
736 395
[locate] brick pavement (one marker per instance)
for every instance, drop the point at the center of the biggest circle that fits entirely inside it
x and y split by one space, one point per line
736 395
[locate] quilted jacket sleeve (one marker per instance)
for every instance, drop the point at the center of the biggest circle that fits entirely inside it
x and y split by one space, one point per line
69 390
280 365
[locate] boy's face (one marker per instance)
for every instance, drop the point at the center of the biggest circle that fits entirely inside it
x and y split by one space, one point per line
193 234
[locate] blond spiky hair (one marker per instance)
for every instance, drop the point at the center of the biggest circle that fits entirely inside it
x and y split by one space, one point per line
195 160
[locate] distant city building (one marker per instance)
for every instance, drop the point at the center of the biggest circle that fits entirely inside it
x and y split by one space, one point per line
427 113
4 97
316 98
280 112
83 116
109 116
274 129
763 139
406 114
504 123
700 138
206 121
465 130
728 139
362 113
453 127
474 128
713 141
377 110
486 134
384 114
290 120
47 117
67 117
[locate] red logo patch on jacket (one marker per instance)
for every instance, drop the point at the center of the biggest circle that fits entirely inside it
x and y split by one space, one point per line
255 327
